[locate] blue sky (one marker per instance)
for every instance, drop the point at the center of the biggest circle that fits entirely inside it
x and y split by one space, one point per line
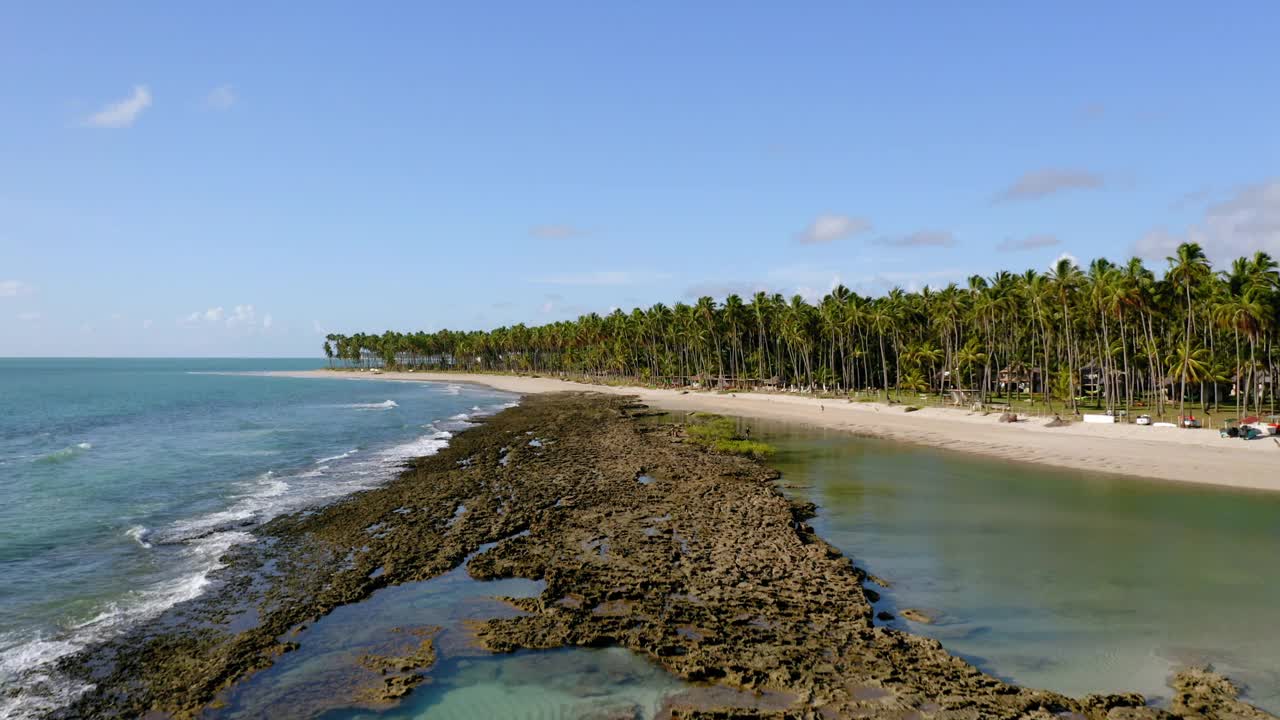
237 179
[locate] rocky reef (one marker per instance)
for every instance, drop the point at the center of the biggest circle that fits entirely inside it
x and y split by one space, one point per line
686 555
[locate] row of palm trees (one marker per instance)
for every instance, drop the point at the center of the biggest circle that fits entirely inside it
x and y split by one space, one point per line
1114 336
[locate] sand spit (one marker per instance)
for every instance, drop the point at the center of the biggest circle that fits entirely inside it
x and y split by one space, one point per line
1192 456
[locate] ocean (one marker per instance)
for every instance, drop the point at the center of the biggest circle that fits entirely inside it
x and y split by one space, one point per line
122 481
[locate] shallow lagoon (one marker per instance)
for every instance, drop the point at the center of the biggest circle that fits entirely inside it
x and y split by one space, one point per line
1065 580
1059 579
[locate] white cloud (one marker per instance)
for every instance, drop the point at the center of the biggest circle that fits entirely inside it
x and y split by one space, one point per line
317 328
815 295
826 228
1246 222
1042 183
1065 256
242 315
722 290
921 238
556 231
1031 242
123 113
554 303
146 324
222 97
13 288
29 316
603 278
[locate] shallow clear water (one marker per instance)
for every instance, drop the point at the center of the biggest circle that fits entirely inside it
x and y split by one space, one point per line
122 481
466 682
1065 580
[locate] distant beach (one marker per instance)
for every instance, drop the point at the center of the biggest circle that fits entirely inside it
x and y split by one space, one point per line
1190 456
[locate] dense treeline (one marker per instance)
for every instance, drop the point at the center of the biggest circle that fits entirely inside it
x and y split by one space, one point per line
1113 336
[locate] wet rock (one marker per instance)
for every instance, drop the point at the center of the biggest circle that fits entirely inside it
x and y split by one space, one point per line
884 616
917 616
732 588
1201 692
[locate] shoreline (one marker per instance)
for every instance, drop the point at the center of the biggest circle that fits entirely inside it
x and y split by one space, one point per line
1168 454
691 558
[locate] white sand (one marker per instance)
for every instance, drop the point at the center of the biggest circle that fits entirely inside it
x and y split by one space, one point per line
1194 456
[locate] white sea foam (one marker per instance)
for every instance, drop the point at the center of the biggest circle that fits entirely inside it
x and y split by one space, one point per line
421 447
66 453
343 456
384 405
26 662
139 533
254 506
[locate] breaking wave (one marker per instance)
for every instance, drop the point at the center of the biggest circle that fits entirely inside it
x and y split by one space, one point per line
67 453
384 405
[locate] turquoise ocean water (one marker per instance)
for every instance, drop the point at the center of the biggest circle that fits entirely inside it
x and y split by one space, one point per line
122 481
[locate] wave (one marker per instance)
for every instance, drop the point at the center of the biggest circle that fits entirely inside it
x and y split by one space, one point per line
332 458
421 447
196 546
139 533
27 663
384 405
67 453
253 507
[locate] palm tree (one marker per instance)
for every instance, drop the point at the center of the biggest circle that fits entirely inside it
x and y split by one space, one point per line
1143 334
1188 267
1065 277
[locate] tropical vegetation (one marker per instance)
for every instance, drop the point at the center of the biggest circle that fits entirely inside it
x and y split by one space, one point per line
1113 336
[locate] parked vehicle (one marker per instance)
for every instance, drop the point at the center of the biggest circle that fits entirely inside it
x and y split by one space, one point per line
1230 428
1143 420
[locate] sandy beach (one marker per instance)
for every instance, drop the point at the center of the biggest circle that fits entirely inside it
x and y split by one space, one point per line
621 533
1190 456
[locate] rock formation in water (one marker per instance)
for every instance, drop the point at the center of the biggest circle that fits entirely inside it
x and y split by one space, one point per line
690 557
